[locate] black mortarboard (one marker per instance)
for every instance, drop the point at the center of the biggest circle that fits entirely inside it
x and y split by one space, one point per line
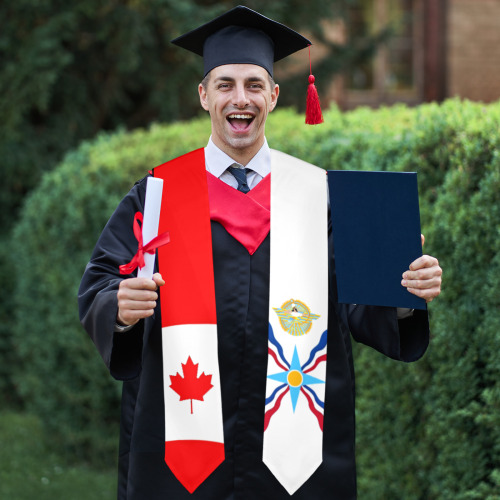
242 36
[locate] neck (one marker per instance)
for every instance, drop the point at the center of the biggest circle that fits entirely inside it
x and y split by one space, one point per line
240 155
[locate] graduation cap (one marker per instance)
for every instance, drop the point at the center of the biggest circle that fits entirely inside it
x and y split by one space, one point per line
243 36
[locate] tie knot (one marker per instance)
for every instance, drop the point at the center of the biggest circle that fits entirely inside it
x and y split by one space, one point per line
240 174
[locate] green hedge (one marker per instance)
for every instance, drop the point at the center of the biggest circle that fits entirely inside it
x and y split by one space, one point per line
429 430
60 377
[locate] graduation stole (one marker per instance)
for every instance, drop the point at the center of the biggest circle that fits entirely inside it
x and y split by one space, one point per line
293 420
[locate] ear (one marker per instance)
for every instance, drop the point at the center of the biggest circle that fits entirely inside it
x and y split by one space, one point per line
274 97
203 97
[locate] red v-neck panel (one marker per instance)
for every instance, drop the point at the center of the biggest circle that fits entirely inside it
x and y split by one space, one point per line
261 193
246 217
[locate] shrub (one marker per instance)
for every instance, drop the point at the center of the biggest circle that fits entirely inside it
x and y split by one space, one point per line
60 377
428 430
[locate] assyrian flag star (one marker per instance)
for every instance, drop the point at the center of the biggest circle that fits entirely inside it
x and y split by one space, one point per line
295 378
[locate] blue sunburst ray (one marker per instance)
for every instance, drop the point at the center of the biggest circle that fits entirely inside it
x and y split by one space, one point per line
278 346
273 395
321 345
315 396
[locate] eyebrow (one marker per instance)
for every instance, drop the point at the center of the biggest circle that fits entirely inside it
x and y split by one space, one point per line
232 80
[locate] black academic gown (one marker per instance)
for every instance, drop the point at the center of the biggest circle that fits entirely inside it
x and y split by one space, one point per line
242 296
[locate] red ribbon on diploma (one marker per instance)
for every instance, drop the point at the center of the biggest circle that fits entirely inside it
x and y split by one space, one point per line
138 259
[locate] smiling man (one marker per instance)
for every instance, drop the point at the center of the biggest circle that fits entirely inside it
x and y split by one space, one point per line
236 356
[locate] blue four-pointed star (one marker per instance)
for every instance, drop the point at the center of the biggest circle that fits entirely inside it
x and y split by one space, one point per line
295 378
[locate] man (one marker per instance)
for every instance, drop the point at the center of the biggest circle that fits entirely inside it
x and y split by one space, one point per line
123 315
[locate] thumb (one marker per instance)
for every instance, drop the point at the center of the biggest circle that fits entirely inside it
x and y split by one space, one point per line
157 278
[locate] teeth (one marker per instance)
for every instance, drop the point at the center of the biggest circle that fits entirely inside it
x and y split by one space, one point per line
240 117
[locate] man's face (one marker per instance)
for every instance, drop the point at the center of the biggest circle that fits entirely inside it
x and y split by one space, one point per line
238 98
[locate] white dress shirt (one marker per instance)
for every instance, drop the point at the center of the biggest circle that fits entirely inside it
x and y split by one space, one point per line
216 162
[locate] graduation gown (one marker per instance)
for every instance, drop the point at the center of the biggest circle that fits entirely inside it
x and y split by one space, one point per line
242 297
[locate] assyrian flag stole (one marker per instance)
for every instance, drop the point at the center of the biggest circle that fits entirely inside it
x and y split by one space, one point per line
194 442
298 318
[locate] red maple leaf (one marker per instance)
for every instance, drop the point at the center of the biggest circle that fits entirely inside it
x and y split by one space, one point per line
191 386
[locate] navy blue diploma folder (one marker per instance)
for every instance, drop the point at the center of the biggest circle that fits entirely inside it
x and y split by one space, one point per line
376 235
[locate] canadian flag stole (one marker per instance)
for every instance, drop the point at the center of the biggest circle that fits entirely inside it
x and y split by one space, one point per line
194 442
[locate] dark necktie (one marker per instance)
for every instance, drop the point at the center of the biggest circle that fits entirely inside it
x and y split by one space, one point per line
240 174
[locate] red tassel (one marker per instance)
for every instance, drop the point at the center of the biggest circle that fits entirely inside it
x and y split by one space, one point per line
314 116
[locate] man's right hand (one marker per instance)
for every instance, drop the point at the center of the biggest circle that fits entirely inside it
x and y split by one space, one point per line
137 299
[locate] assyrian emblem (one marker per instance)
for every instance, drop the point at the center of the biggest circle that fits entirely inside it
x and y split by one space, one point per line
295 378
295 317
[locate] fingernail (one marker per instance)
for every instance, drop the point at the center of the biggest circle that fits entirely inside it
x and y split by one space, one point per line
403 282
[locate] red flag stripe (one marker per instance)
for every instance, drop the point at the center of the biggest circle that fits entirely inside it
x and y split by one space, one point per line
274 409
194 460
316 413
188 297
317 362
276 360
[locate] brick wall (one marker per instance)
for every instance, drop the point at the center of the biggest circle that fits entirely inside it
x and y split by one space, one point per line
473 49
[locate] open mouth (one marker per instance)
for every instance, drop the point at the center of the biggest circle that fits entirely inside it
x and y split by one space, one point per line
240 121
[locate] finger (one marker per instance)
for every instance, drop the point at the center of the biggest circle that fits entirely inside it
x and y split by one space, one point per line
136 294
424 284
137 305
423 261
422 239
427 294
426 273
138 284
132 316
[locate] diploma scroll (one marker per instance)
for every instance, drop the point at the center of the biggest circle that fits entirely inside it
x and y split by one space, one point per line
152 205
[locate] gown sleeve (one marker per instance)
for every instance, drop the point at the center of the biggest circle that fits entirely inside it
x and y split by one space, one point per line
378 327
97 296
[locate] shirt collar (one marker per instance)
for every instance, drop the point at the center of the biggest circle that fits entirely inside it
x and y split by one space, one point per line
217 161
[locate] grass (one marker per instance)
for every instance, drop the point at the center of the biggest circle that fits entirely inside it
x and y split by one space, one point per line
29 470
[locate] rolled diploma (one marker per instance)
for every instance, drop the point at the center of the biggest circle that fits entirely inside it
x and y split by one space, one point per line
151 219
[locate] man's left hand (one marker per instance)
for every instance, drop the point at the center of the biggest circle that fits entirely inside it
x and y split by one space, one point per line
424 277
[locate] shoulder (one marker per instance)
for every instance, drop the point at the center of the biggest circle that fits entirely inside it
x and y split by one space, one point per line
133 201
138 191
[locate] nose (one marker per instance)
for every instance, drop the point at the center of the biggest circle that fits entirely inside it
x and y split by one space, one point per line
240 97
